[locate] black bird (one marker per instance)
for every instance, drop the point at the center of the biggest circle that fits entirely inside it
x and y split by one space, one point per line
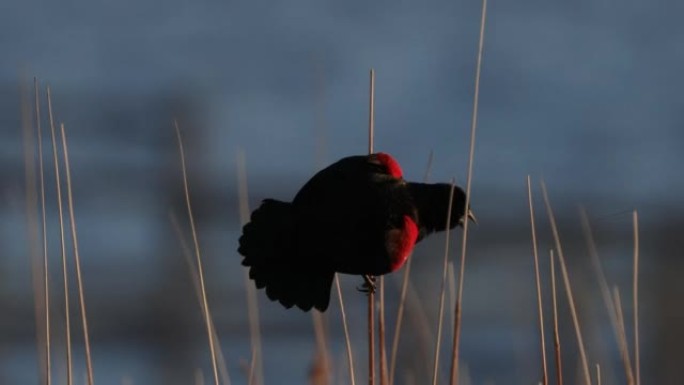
357 216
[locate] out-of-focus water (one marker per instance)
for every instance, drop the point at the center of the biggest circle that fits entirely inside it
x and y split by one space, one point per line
585 96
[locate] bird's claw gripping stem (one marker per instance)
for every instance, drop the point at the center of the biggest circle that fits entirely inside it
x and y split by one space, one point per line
368 284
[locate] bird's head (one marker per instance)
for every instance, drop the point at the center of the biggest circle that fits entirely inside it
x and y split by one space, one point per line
432 204
459 212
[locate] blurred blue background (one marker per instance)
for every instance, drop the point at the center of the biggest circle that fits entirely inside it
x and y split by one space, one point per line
585 95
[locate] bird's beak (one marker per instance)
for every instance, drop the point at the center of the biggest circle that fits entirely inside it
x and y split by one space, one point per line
471 216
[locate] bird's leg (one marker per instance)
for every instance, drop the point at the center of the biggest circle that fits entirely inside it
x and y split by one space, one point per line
368 284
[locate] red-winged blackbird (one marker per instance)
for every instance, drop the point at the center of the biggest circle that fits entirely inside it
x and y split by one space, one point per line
357 216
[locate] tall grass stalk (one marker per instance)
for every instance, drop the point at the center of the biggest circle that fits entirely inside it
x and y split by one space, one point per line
317 319
345 326
568 288
77 258
256 375
194 276
545 378
67 318
371 294
452 293
621 329
635 298
473 129
608 300
384 375
37 235
198 255
46 274
199 377
442 294
402 295
556 334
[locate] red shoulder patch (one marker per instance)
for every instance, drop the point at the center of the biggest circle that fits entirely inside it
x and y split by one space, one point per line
399 243
390 163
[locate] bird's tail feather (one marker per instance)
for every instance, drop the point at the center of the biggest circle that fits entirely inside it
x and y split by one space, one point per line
268 246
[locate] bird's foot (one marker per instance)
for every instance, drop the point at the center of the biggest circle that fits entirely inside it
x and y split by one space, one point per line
368 286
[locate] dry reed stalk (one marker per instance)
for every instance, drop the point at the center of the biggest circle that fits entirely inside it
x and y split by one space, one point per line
199 377
607 297
452 293
252 368
198 255
32 227
46 280
371 295
77 258
194 276
37 236
556 334
67 318
257 370
622 333
319 159
545 378
635 298
442 294
402 296
384 375
568 288
321 345
345 326
473 127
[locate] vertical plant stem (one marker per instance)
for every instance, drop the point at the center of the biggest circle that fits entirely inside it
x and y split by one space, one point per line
257 372
347 338
46 275
371 112
384 377
442 294
371 295
322 353
608 299
545 379
199 377
188 254
568 288
381 315
556 334
371 339
402 297
67 319
617 303
452 293
198 256
77 258
32 227
635 294
459 301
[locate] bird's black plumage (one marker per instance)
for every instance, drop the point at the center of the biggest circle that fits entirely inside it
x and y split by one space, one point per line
357 216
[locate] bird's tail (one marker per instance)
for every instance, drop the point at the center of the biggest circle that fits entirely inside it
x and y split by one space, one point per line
268 244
